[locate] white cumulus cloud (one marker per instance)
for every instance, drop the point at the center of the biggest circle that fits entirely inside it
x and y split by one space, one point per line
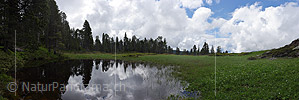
192 3
255 29
251 28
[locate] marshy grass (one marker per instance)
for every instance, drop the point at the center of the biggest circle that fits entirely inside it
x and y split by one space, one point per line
236 76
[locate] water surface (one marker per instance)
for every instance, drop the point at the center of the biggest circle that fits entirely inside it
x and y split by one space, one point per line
98 80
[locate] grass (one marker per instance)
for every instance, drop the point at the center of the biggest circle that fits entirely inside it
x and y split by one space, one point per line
99 55
237 77
23 59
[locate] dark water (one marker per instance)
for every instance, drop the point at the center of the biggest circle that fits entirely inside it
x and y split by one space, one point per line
97 80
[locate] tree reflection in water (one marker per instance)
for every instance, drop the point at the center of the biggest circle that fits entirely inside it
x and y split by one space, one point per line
140 81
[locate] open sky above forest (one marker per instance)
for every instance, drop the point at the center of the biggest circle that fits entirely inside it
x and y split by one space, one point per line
235 25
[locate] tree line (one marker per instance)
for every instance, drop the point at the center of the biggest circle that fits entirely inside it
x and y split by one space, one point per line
197 51
134 44
35 22
158 45
39 23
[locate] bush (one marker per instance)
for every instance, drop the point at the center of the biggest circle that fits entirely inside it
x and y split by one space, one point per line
251 58
39 54
7 61
4 80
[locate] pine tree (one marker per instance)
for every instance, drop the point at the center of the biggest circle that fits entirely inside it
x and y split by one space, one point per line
126 43
160 46
169 50
219 49
75 40
37 23
52 27
106 43
205 49
194 50
177 51
87 36
212 50
165 49
103 43
112 45
121 46
9 22
133 43
198 50
152 46
97 44
117 44
66 37
146 46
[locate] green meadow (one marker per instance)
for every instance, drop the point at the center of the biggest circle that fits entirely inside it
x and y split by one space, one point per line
236 76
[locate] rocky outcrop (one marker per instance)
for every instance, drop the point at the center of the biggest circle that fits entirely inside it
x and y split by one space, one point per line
291 50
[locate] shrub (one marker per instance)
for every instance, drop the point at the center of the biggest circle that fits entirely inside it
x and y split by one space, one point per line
4 80
7 61
251 58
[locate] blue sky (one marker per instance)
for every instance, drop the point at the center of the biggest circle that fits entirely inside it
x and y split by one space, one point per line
225 7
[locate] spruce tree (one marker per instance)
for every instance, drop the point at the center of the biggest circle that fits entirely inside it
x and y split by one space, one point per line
219 49
87 36
97 44
205 49
212 50
194 50
177 51
126 43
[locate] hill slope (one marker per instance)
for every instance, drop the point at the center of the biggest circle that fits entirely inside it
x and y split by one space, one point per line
291 50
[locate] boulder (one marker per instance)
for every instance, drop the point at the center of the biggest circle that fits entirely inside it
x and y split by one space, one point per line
296 48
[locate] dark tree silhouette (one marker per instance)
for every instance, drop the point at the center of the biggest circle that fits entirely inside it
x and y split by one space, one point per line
205 49
177 51
219 49
212 50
